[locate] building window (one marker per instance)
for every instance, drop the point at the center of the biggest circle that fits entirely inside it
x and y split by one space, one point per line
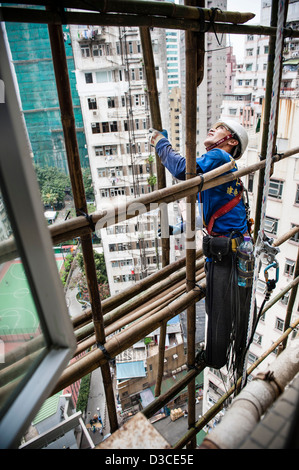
275 189
250 183
271 225
92 103
104 76
279 324
289 267
295 238
88 78
111 102
297 195
105 127
252 358
257 339
285 298
95 127
113 126
85 51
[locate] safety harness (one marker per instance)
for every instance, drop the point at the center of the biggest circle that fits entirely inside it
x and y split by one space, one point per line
224 210
229 136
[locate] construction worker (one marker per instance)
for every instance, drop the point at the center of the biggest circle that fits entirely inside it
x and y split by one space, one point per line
225 219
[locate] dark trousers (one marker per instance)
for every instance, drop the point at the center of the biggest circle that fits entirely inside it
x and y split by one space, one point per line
228 308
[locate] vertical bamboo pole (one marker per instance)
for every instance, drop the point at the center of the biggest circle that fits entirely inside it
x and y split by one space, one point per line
194 49
149 65
69 130
267 108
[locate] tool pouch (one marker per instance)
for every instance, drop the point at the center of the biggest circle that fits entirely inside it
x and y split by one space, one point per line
216 247
245 274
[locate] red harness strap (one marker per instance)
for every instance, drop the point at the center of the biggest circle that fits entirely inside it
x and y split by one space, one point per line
224 210
229 136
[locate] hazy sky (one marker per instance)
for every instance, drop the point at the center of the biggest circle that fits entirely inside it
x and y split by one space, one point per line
237 40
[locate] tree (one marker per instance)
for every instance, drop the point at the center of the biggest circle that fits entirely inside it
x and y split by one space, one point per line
87 181
99 263
54 182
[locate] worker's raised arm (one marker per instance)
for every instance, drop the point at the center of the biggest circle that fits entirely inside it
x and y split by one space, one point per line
173 161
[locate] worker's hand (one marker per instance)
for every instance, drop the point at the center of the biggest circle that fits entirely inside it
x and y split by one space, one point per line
155 136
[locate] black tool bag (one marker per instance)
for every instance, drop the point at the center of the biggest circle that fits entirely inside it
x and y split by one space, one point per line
216 247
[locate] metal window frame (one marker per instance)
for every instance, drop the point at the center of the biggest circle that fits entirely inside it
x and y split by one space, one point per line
23 203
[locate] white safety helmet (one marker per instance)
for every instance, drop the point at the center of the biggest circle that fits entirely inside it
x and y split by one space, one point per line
238 132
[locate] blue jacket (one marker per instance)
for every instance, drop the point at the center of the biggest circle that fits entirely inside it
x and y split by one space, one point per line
214 198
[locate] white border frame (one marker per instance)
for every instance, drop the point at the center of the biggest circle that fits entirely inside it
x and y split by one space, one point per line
22 199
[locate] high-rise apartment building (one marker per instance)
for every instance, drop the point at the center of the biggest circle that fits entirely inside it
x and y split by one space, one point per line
112 87
32 63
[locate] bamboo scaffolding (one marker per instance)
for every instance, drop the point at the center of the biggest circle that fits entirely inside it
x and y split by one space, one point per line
139 287
212 412
14 14
72 228
150 317
267 110
148 296
123 340
254 400
149 65
192 79
136 315
148 8
74 165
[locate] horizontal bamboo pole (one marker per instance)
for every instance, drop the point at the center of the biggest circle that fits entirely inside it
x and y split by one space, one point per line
279 241
141 7
111 317
75 227
22 15
138 7
163 275
136 315
123 340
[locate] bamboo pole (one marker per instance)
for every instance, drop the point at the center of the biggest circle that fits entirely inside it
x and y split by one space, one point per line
138 288
138 315
23 15
123 340
253 401
267 108
193 78
72 228
286 236
72 151
212 412
155 8
150 72
113 316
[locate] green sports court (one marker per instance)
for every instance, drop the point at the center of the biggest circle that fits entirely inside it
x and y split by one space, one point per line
17 309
